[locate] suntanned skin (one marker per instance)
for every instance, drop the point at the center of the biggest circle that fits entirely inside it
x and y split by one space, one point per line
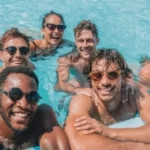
89 126
78 140
86 49
83 126
40 128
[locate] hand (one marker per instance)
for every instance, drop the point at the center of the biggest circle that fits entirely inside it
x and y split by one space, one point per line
86 91
89 125
6 144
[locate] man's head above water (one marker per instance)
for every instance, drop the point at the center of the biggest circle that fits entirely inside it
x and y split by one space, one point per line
86 38
18 98
109 72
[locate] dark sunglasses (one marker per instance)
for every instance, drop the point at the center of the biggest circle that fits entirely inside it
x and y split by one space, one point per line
52 27
16 94
12 50
97 76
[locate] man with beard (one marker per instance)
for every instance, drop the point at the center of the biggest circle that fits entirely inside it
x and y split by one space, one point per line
103 104
86 39
23 123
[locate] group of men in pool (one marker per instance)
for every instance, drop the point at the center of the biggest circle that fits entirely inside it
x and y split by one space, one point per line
103 93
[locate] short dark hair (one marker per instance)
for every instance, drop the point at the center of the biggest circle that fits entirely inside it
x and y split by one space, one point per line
114 56
11 34
50 14
86 25
17 69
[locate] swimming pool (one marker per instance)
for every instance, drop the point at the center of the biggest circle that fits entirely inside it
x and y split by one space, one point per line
123 25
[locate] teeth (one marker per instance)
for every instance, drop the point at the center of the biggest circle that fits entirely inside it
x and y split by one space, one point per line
20 114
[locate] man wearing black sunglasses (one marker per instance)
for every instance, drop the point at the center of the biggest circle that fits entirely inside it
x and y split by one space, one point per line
92 109
23 123
14 49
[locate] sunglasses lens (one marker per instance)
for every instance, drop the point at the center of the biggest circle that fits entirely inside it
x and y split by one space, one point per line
61 27
24 50
15 94
11 50
113 75
51 27
33 97
96 76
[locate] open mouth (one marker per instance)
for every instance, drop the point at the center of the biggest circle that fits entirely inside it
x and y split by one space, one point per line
55 37
21 116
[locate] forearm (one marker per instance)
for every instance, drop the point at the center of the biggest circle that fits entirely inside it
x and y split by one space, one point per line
141 134
64 86
97 142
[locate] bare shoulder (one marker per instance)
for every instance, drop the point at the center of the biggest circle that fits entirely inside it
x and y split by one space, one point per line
80 105
36 44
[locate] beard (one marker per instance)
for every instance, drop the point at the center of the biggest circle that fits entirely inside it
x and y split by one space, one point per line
8 122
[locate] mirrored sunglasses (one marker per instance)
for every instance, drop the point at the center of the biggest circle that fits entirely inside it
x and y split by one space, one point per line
97 76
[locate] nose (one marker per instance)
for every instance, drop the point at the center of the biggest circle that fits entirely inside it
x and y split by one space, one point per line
56 30
105 81
85 43
23 103
17 54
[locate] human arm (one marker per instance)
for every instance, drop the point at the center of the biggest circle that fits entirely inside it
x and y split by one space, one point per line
89 125
80 106
63 76
52 136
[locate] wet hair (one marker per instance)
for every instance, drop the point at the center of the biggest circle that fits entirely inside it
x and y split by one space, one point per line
113 56
12 34
50 14
86 25
144 60
17 70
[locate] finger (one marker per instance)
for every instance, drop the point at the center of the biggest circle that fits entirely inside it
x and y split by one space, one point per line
80 123
89 131
85 127
81 118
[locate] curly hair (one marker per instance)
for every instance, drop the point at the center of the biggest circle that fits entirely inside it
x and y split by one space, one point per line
50 14
112 56
17 69
86 25
11 34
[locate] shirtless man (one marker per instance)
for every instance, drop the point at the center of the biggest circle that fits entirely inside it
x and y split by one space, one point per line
140 134
23 123
103 103
86 39
14 49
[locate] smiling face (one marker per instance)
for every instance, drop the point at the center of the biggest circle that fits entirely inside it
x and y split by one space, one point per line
17 114
110 81
86 43
16 59
53 37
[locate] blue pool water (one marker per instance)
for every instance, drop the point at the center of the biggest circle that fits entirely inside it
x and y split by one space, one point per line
124 25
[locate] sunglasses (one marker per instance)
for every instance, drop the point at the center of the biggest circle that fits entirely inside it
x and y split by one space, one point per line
52 27
16 94
97 76
12 50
